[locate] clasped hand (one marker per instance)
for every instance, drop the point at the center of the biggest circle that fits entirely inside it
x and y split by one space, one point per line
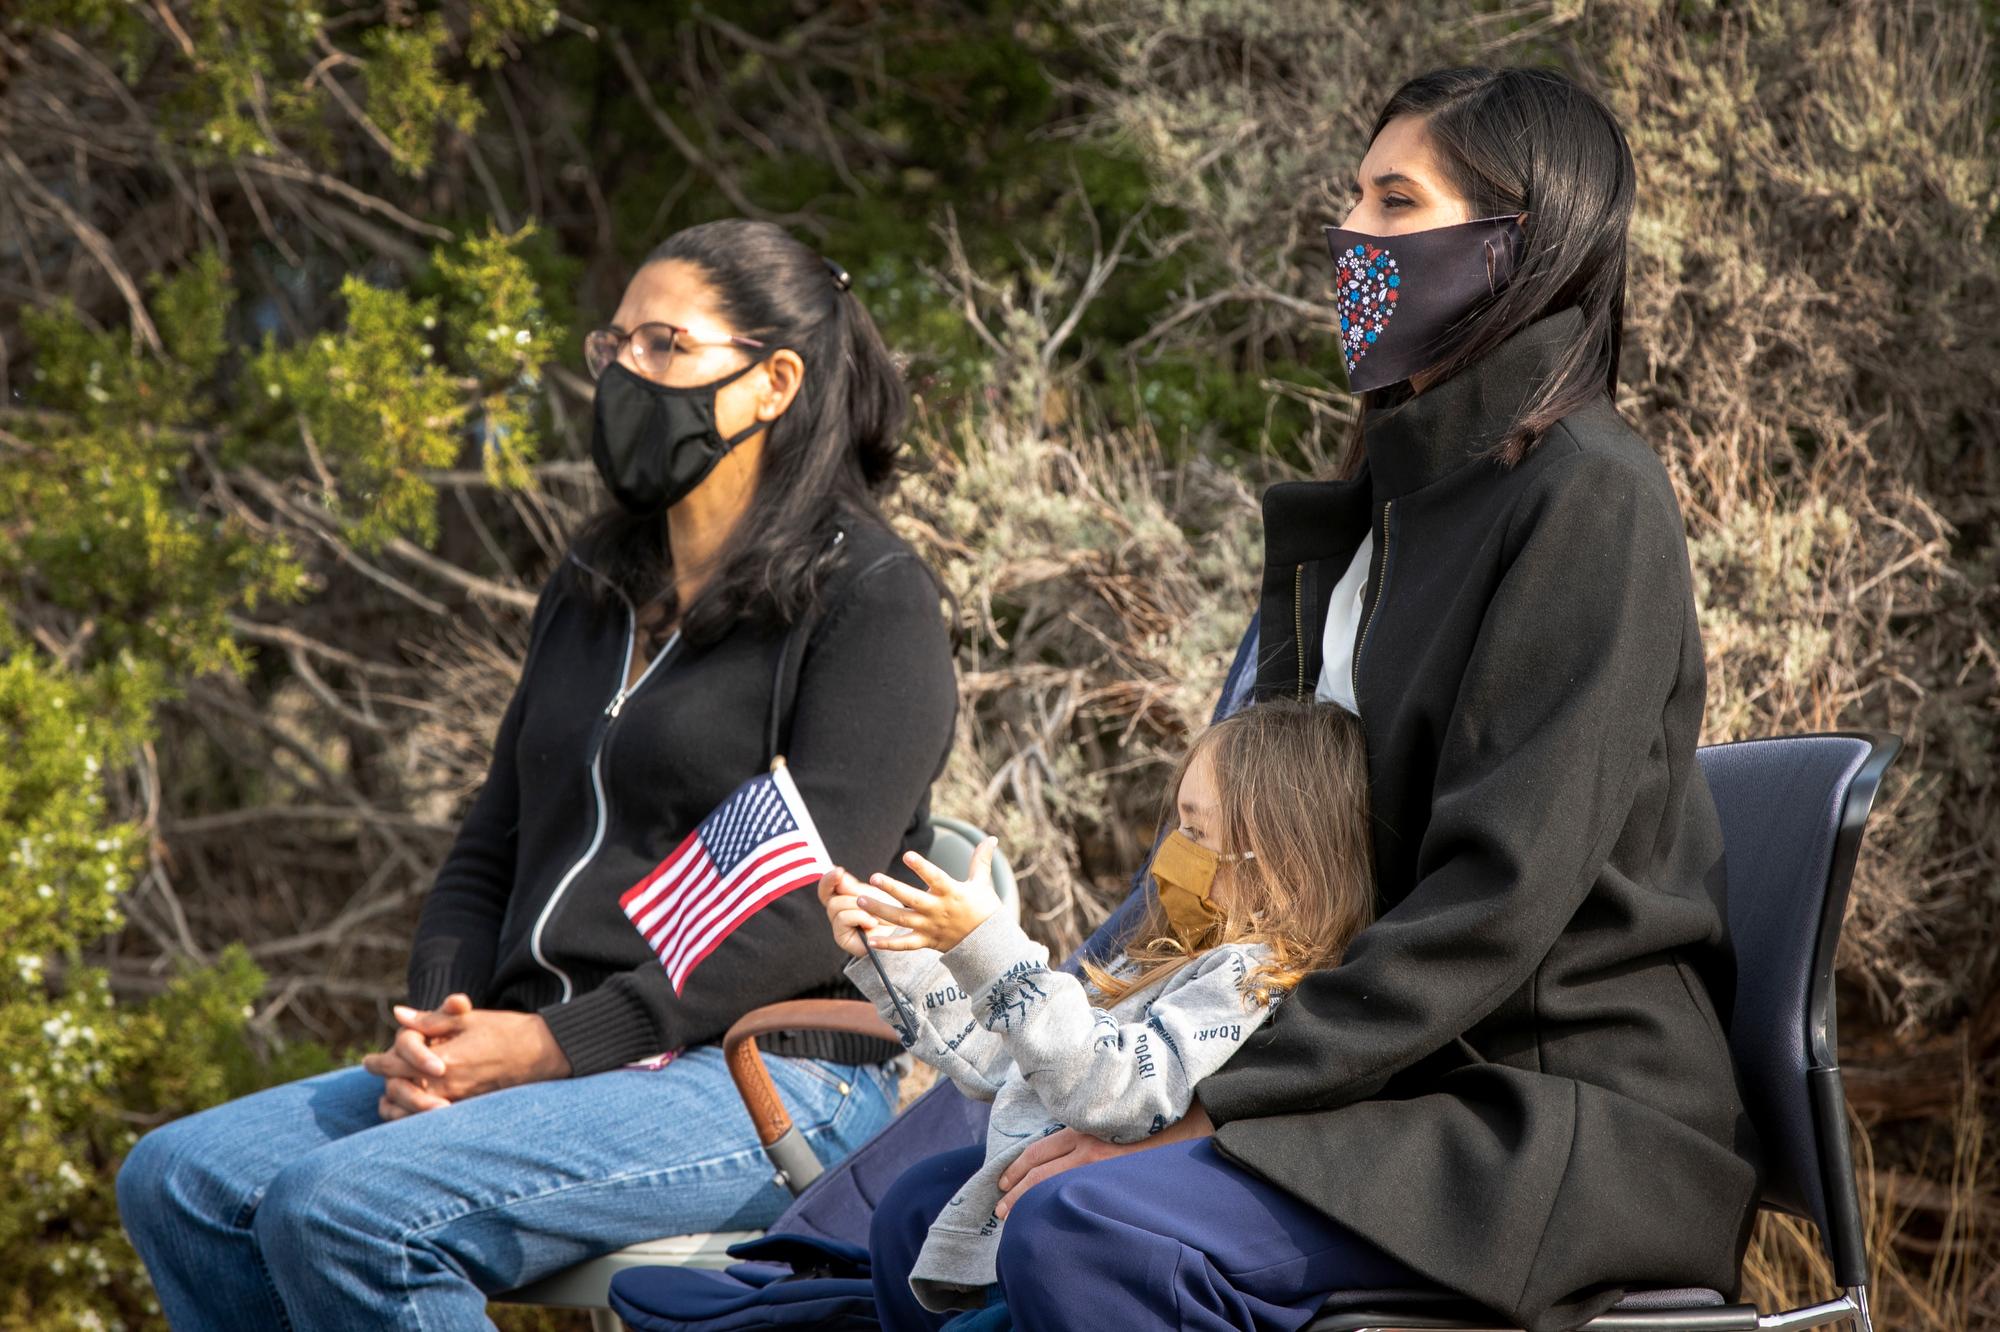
941 918
458 1051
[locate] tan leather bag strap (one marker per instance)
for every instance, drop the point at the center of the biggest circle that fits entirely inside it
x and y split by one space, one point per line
856 1017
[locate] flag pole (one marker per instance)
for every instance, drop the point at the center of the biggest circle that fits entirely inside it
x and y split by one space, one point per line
908 1020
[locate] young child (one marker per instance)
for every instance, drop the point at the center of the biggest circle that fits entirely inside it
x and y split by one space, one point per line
1266 876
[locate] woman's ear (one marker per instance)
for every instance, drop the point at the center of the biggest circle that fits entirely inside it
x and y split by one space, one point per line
784 372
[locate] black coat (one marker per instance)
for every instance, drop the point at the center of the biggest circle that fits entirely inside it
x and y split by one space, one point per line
1517 1082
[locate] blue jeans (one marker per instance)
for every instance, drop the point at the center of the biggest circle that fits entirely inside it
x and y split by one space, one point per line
1172 1237
298 1208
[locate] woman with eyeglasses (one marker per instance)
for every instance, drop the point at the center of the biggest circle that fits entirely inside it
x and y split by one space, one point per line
556 1090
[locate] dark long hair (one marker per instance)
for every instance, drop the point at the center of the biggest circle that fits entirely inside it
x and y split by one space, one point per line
1531 141
836 450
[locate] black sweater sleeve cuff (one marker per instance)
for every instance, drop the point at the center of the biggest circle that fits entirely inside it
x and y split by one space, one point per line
607 1028
446 971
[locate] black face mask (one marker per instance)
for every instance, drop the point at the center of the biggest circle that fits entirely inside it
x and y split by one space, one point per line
653 443
1401 297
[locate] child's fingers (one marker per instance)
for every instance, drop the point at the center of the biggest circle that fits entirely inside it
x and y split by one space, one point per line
890 912
915 898
837 881
939 881
855 918
901 943
982 858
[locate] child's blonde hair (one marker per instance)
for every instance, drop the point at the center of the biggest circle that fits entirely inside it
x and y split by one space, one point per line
1291 783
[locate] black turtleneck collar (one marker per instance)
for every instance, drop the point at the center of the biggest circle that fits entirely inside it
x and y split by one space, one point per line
1418 441
1432 435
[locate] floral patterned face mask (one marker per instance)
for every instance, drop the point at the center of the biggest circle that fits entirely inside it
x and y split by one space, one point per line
1401 297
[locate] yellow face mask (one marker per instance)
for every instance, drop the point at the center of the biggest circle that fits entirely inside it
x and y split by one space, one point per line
1184 870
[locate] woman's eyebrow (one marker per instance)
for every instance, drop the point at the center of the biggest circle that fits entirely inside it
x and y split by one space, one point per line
1388 178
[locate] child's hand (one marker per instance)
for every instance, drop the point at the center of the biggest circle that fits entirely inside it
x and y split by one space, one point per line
839 894
941 917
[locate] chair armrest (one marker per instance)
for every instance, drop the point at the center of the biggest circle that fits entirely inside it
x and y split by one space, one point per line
1697 1318
856 1017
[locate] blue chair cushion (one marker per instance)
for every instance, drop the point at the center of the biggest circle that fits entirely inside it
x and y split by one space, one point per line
681 1299
786 1279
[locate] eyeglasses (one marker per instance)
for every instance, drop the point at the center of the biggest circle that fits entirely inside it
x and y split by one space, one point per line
653 347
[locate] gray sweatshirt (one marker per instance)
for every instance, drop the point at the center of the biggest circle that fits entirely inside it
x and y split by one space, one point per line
994 1018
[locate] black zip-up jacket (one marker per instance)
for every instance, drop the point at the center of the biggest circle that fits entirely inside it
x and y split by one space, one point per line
1517 1082
593 784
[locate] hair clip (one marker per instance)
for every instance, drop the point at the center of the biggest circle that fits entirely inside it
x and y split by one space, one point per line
841 279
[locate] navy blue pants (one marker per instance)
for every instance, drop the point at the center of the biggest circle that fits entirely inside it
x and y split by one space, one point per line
1172 1237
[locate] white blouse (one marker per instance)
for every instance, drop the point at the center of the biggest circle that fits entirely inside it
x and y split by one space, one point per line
1343 618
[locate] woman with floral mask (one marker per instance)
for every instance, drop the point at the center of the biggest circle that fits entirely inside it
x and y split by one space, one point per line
1515 1087
555 1091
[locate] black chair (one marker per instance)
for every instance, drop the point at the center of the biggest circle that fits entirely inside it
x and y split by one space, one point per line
1793 809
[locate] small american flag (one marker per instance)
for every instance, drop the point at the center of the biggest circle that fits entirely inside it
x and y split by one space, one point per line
755 847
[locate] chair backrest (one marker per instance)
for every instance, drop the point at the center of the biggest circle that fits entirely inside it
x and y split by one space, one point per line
1792 811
